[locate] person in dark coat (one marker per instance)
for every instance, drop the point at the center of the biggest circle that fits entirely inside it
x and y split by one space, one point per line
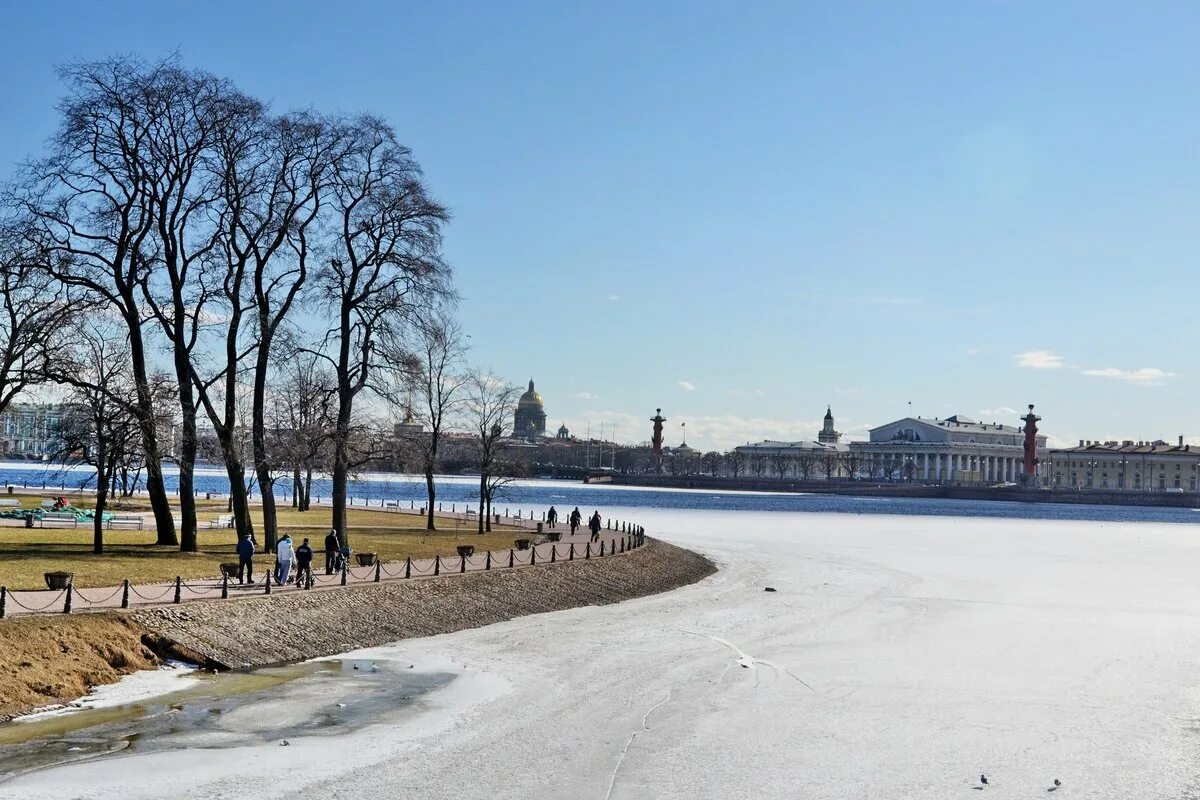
332 547
304 557
594 525
245 551
576 518
552 516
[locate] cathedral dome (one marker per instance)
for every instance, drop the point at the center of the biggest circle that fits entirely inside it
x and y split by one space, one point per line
530 399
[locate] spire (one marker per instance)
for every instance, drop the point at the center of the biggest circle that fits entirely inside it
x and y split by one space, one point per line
531 384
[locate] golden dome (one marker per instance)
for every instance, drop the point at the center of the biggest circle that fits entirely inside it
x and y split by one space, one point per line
530 398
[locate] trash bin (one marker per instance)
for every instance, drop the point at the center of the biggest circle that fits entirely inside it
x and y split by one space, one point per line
58 580
540 525
522 544
466 550
29 520
365 559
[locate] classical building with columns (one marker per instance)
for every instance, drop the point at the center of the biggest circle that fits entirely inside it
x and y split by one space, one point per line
951 450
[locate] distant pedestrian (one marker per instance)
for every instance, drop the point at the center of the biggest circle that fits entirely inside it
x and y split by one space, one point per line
333 547
284 557
245 551
304 557
552 516
594 525
576 519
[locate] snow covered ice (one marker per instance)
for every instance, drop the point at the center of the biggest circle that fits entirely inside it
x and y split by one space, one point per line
900 657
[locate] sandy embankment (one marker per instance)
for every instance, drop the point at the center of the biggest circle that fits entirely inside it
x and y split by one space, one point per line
56 659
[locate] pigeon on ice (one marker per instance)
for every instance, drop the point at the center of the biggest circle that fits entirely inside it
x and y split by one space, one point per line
983 780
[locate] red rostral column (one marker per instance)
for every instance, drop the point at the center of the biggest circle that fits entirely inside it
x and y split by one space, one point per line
1029 465
656 441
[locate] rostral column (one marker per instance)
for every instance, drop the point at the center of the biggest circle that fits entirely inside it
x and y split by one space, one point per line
656 441
1029 463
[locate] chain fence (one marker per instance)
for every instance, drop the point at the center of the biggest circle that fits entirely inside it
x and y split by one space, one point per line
615 539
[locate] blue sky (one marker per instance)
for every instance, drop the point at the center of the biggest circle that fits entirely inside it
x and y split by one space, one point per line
743 212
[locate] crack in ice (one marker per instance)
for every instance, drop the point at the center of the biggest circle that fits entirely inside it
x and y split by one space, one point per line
748 661
612 780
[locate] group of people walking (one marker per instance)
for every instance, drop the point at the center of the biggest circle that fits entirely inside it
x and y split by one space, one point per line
286 555
574 519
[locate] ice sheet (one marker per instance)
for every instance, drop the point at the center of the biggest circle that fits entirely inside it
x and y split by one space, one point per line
900 657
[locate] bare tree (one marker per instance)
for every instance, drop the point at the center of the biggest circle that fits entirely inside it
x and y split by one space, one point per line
735 461
852 464
301 421
385 262
89 207
829 463
504 472
781 462
488 406
805 463
35 314
438 381
99 426
712 460
758 464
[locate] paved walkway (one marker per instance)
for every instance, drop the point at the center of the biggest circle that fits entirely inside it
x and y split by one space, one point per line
156 594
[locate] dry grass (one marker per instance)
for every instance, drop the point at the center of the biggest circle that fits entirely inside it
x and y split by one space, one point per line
25 554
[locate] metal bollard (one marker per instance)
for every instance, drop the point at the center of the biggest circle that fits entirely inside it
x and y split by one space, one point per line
268 576
345 572
125 593
487 562
511 558
178 590
67 605
587 553
602 548
437 565
408 567
571 555
3 600
378 569
622 545
553 552
224 585
533 555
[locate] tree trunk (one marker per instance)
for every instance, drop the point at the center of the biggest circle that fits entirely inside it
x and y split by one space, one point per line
487 524
341 468
482 496
258 436
297 487
239 504
431 491
187 454
101 497
306 500
164 522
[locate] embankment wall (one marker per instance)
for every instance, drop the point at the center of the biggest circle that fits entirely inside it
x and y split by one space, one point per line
256 631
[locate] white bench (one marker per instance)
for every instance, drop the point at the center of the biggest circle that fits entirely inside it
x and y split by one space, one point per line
130 520
60 518
222 521
9 502
48 503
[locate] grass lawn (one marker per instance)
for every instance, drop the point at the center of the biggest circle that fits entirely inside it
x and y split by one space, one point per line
27 553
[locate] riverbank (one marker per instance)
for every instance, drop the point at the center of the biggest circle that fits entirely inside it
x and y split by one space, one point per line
73 654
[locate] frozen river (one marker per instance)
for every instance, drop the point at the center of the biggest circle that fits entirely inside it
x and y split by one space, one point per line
900 657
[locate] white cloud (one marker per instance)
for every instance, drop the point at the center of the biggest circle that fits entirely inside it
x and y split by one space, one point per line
585 396
1039 359
738 392
1001 411
1147 376
760 392
973 351
687 386
614 297
895 300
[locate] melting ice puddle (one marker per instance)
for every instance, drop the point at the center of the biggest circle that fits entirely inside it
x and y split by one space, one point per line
262 706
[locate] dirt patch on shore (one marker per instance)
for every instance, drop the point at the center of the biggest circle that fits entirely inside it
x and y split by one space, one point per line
49 660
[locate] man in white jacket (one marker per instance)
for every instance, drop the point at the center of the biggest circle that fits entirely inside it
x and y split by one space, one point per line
285 555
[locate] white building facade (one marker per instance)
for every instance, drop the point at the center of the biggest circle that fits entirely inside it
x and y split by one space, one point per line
952 450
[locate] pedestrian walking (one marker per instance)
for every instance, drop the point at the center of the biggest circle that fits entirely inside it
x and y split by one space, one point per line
304 557
594 525
552 516
576 518
245 551
284 556
332 547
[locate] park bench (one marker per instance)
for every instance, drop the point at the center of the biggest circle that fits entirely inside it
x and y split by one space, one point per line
60 518
48 503
222 521
472 514
9 502
130 520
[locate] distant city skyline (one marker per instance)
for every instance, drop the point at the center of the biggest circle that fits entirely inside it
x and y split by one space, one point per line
744 214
